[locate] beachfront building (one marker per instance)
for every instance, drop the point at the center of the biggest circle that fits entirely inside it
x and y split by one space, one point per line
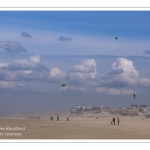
142 108
135 107
146 110
78 109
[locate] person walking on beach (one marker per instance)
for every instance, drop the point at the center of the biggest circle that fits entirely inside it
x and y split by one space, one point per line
57 118
51 118
118 119
114 120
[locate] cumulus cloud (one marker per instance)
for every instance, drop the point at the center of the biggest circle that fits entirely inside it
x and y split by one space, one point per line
123 73
126 67
35 58
73 89
29 70
115 92
145 82
25 34
116 71
11 46
62 38
56 74
120 92
24 64
10 85
3 65
83 72
101 90
83 68
89 62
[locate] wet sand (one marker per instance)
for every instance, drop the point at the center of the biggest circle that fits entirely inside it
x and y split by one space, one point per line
75 128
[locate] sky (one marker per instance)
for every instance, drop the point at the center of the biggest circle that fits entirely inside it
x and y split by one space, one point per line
41 50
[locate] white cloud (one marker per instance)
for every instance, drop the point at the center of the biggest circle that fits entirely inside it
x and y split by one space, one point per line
80 77
82 89
89 62
56 74
115 92
22 64
127 67
10 85
145 82
101 90
122 73
35 58
86 71
120 92
29 70
127 92
3 65
83 68
74 88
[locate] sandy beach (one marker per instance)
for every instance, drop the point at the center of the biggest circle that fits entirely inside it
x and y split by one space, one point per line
78 127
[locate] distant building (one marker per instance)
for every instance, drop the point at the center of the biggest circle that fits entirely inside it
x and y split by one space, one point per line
142 108
78 109
146 110
135 107
89 108
124 108
74 110
96 108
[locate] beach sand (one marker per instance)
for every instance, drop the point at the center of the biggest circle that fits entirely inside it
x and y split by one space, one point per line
76 128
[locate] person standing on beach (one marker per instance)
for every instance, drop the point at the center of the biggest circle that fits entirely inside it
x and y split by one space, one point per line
114 120
118 119
57 118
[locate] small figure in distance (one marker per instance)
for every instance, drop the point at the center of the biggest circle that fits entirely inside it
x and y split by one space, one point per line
116 38
63 85
51 118
114 120
67 119
118 119
57 118
134 95
111 122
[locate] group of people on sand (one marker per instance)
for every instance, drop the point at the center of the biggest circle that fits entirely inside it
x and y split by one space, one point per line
114 119
58 118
